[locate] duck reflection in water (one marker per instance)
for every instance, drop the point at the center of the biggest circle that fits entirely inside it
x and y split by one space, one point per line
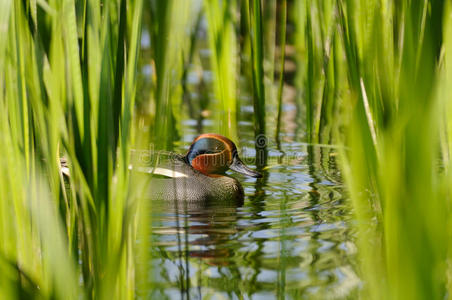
201 232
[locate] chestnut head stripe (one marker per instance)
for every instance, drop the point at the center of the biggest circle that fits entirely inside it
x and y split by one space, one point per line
209 145
210 163
213 154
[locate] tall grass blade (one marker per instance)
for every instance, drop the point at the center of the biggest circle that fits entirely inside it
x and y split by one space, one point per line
394 153
223 46
283 26
257 55
168 20
257 50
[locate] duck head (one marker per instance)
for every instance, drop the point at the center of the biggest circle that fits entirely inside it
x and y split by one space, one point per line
213 154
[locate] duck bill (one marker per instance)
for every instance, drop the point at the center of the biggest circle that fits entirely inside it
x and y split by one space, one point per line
238 166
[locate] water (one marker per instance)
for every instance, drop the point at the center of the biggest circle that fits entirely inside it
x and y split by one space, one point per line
291 238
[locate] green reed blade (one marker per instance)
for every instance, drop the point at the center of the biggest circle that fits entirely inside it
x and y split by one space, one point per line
257 54
67 111
394 142
310 80
70 26
168 22
118 81
282 34
222 43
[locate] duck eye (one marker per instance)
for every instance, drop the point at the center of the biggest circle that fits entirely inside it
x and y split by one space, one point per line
207 151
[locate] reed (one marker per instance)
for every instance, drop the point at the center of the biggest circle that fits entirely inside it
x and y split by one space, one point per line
223 45
283 26
393 136
168 21
257 54
316 41
68 71
384 67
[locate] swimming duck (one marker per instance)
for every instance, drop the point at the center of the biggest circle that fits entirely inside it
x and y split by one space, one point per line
199 176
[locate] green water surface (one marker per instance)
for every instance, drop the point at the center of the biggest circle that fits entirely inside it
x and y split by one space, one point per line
291 238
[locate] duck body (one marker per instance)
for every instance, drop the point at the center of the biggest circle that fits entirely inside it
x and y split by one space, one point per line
190 185
199 177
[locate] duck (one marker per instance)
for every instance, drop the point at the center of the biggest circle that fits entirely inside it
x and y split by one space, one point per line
199 177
